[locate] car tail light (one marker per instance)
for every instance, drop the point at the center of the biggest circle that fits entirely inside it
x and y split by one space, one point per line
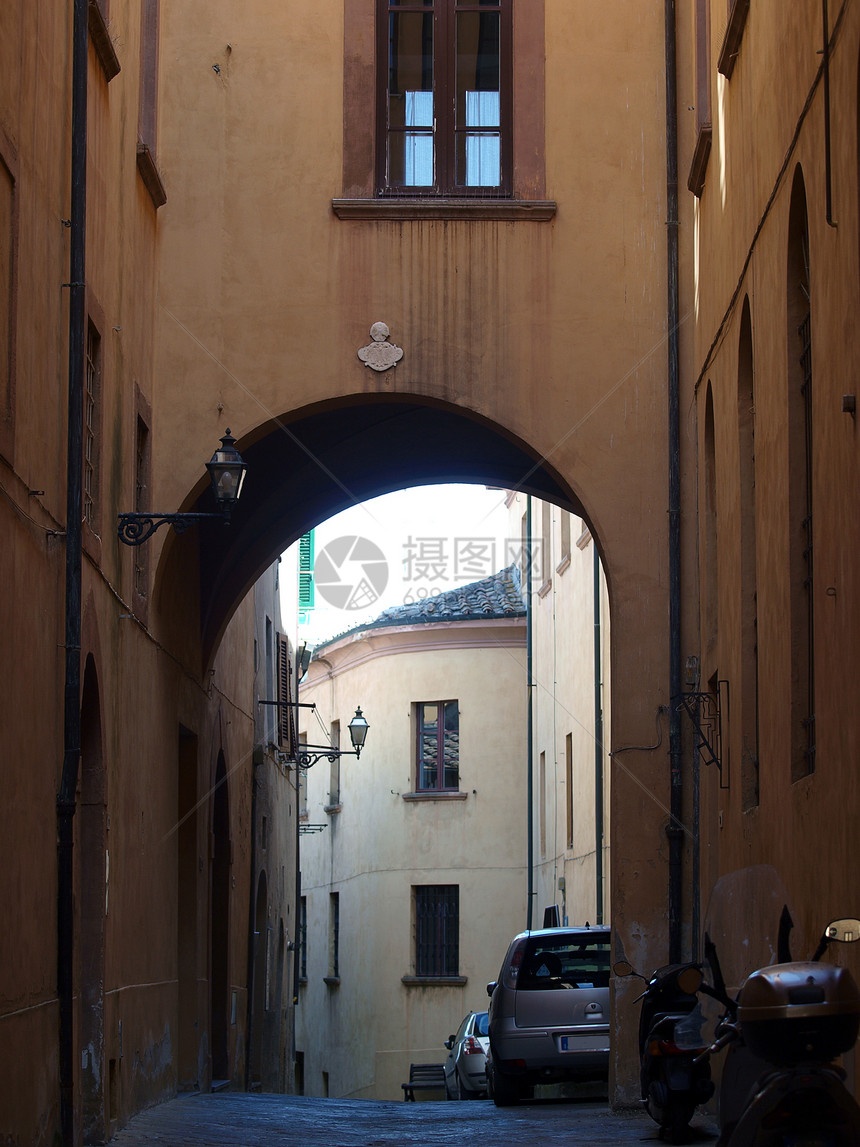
513 965
471 1046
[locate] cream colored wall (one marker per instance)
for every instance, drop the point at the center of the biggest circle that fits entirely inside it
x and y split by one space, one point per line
563 703
367 1030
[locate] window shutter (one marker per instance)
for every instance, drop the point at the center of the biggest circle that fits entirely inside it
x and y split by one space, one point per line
286 714
306 571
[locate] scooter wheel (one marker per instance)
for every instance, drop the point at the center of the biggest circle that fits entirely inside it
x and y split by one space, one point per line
678 1124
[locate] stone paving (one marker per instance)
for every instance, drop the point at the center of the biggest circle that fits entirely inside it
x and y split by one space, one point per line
240 1120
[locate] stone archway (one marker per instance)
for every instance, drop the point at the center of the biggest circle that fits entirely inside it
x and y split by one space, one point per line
306 466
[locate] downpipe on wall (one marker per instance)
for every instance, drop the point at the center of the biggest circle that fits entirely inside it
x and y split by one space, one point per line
74 479
598 746
674 830
529 718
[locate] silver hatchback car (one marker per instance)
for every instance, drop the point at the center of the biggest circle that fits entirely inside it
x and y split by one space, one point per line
549 1012
465 1067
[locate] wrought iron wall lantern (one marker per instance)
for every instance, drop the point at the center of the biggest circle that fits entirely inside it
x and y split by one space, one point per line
706 711
226 472
307 755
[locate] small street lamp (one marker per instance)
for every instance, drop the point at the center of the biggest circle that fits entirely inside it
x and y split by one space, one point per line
226 472
307 755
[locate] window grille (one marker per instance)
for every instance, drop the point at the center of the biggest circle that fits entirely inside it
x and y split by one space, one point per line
437 930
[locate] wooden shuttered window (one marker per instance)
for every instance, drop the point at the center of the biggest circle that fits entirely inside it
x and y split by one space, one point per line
286 710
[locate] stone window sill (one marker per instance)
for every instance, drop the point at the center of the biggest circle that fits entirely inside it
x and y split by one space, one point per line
398 210
434 981
435 796
332 808
332 981
563 564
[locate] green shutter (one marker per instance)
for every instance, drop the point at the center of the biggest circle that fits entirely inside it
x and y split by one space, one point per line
306 571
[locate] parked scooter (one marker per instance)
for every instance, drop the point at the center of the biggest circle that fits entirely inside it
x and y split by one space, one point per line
674 1079
789 1022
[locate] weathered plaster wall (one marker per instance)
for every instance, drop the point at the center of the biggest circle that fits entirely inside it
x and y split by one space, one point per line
554 331
365 1031
764 131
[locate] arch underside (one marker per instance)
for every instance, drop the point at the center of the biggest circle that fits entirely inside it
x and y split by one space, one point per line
303 470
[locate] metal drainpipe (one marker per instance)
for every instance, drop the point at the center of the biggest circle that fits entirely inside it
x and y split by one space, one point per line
529 707
598 747
258 760
673 829
74 480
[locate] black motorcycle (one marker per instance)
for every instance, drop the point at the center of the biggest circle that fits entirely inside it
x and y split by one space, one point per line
674 1075
780 1086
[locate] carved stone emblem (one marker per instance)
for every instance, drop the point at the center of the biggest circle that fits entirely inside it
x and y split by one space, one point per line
380 354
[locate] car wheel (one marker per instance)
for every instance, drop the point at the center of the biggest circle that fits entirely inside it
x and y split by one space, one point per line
504 1092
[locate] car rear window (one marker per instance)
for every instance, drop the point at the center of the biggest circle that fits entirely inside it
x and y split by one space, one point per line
482 1023
564 961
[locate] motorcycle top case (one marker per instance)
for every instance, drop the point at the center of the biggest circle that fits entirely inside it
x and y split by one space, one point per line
799 1011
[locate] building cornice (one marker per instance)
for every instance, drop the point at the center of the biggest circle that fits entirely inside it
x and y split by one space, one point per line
357 649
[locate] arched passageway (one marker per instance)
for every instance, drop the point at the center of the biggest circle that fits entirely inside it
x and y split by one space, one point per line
307 465
304 467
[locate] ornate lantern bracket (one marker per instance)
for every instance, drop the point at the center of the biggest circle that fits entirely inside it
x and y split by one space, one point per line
706 711
226 474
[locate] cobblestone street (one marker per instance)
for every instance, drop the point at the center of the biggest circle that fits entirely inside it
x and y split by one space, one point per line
241 1120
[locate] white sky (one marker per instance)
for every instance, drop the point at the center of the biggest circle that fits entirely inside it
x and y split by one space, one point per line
431 538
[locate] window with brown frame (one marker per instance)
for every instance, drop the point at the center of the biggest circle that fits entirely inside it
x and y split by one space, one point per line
444 108
148 108
438 746
704 131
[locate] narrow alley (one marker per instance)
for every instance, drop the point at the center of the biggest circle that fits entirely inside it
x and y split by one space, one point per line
240 1120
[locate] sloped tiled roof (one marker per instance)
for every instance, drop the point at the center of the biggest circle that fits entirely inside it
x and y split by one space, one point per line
492 598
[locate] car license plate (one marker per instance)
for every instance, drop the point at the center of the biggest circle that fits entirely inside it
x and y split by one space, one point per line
564 1043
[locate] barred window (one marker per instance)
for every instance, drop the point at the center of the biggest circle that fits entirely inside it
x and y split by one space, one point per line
303 938
437 929
334 935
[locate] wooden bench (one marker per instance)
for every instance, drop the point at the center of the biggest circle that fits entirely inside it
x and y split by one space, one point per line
424 1077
